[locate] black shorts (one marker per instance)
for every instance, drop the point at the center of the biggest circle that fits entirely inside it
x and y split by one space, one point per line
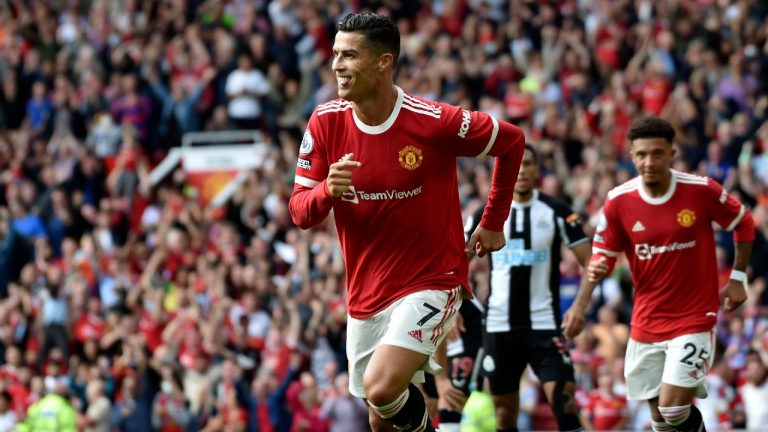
462 370
508 353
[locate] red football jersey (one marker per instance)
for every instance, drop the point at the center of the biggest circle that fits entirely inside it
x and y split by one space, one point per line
670 245
606 410
400 225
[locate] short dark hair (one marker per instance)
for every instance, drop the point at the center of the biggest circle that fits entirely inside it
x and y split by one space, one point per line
651 127
534 152
379 31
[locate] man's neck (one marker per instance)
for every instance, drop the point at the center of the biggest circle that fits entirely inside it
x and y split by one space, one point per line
659 189
376 110
523 198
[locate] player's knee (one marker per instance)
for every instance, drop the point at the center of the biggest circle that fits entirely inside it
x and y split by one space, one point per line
378 395
378 392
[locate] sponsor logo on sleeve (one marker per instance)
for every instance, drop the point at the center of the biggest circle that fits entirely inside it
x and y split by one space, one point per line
307 143
723 196
686 218
304 163
464 127
410 157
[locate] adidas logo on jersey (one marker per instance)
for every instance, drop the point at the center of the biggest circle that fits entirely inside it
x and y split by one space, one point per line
416 334
638 226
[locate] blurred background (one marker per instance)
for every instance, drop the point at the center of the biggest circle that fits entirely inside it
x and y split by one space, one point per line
151 306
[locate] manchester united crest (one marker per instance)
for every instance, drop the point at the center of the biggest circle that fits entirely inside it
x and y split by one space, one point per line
410 157
686 218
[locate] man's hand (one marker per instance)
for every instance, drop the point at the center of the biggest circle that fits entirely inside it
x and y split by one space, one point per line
573 321
733 295
597 270
340 175
450 397
484 241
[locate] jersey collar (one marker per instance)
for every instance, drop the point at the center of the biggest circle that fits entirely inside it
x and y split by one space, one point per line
522 205
379 129
662 199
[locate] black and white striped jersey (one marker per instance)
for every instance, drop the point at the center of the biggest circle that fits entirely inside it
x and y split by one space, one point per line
525 274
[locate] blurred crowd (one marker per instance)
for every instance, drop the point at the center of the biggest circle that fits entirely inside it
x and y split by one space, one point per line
150 312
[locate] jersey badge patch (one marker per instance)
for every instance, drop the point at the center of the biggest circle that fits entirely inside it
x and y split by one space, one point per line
307 143
410 157
543 223
686 218
488 364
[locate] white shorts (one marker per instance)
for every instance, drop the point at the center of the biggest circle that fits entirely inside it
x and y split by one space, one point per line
683 361
418 322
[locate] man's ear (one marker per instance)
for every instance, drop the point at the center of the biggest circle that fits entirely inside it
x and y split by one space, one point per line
386 60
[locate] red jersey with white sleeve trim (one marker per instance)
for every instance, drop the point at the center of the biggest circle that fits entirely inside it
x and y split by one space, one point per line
400 224
670 244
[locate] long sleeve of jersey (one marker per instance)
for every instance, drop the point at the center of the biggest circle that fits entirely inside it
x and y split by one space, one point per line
474 133
309 206
508 151
730 213
310 202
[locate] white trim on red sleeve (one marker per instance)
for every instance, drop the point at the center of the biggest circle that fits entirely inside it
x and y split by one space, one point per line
307 182
738 219
491 141
596 250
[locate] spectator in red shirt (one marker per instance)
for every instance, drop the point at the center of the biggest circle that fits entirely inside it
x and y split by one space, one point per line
604 410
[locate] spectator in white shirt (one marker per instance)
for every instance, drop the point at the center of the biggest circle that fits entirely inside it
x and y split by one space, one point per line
245 87
755 393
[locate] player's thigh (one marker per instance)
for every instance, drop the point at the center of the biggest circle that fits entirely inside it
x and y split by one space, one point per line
688 359
550 360
643 368
417 325
363 336
504 360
